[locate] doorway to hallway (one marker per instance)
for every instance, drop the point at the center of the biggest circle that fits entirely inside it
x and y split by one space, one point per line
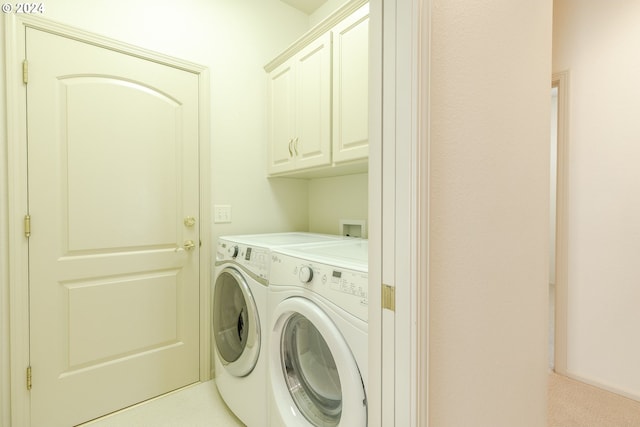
558 248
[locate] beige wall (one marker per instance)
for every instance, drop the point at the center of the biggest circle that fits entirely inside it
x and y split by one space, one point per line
597 43
337 198
489 203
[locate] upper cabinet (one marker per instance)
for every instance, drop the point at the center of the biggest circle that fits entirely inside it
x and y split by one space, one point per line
318 99
300 109
351 87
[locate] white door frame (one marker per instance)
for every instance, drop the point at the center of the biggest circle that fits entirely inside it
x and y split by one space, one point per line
17 197
398 211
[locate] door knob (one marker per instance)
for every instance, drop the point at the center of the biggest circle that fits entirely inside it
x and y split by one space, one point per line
189 245
189 221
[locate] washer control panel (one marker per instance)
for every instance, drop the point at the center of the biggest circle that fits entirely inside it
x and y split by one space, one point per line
254 259
349 289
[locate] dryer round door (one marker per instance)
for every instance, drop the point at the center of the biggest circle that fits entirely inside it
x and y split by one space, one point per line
236 326
314 376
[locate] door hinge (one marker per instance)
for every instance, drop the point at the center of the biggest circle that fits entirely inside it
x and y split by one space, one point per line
389 297
25 71
29 378
27 226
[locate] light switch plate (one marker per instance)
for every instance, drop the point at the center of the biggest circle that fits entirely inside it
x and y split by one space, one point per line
221 214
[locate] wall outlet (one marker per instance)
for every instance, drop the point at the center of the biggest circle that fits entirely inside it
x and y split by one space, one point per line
353 228
221 214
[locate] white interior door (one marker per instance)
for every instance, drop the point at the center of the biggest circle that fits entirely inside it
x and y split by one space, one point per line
113 173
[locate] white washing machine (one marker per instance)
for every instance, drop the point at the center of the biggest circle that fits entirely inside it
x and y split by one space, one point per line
318 344
239 313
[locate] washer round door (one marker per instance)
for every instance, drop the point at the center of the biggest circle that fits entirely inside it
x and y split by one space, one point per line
315 378
236 326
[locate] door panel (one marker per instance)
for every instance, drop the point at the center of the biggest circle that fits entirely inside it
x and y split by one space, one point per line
113 171
99 333
313 106
351 87
281 119
151 150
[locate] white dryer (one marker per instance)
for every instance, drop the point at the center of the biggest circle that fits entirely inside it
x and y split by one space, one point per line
239 296
318 344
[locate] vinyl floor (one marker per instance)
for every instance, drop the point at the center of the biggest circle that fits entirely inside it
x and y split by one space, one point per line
199 405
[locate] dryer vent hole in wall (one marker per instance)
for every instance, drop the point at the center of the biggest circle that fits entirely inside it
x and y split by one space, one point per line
352 228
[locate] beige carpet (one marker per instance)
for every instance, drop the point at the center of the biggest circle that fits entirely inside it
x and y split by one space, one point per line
574 404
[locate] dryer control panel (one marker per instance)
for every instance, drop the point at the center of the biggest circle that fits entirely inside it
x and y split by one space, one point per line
344 287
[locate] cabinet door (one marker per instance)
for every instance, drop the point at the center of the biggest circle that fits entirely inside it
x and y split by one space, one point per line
281 118
351 87
312 143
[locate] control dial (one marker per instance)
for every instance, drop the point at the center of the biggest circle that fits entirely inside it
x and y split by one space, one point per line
233 251
305 274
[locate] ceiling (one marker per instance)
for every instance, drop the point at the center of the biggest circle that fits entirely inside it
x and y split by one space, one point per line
307 6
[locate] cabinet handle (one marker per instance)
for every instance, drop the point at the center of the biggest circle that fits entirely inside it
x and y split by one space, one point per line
295 145
290 151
